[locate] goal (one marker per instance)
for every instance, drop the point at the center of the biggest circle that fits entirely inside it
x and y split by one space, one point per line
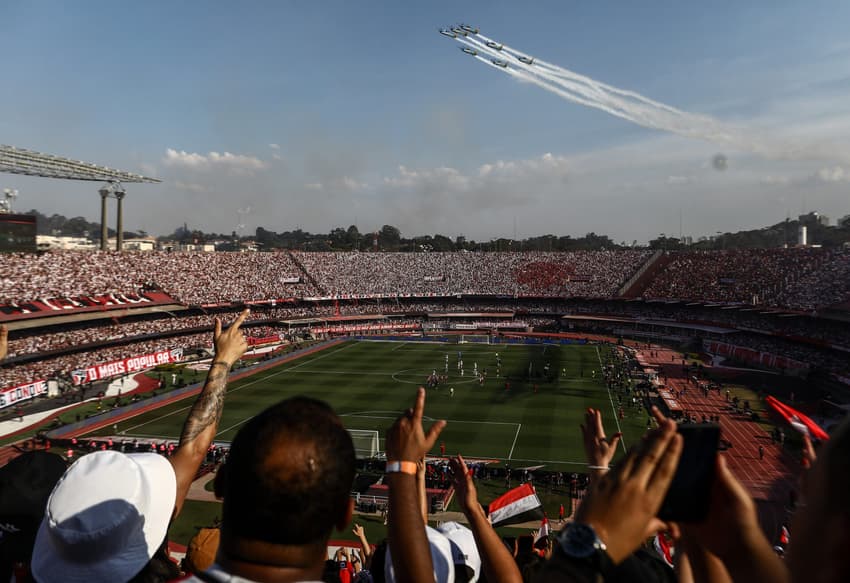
473 339
366 443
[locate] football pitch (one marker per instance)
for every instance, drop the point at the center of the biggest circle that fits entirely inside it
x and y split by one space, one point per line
369 383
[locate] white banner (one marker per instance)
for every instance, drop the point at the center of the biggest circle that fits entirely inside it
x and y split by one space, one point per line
127 365
22 393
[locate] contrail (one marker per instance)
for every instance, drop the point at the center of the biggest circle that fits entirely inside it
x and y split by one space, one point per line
633 106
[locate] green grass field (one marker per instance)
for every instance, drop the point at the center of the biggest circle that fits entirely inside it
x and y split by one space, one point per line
369 383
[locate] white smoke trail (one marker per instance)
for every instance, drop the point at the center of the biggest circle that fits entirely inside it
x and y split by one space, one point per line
634 107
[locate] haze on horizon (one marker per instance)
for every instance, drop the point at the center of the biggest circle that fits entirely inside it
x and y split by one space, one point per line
328 114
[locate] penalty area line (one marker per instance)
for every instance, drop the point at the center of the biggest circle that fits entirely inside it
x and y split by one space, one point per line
513 445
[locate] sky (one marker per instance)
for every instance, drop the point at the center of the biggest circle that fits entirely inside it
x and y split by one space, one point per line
323 114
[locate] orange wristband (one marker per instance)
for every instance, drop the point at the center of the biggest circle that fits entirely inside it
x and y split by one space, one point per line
401 467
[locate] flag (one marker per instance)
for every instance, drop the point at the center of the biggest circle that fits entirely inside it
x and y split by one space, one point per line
798 420
664 547
79 376
543 531
514 506
784 536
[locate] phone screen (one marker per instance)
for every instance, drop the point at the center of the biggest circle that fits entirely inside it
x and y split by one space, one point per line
687 499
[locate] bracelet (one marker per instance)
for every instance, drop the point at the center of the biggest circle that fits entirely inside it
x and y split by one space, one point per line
598 468
401 468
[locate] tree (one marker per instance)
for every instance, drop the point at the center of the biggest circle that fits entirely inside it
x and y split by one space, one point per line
389 237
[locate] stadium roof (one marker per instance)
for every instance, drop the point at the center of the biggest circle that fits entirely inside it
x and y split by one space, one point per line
20 161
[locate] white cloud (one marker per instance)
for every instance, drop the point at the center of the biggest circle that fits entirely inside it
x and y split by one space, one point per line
834 174
190 186
274 146
314 186
234 163
677 180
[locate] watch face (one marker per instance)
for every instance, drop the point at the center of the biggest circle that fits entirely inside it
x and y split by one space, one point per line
579 541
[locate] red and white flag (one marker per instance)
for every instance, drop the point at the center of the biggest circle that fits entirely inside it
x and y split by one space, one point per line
543 531
798 420
514 506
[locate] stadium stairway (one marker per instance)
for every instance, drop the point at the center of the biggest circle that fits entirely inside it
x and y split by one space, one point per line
641 279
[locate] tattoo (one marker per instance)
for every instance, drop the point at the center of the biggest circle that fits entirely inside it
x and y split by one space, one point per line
207 409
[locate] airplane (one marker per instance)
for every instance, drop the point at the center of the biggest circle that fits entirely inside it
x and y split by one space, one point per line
469 51
494 45
468 28
448 33
457 30
498 63
526 60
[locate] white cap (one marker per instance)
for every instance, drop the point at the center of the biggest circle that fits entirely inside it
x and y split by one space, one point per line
105 519
464 551
441 557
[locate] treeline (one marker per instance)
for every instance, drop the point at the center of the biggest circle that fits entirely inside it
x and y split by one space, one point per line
390 238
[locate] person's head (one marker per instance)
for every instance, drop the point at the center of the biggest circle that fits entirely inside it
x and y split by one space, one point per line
25 486
105 519
287 479
820 533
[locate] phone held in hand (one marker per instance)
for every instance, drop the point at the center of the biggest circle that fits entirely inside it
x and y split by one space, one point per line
688 498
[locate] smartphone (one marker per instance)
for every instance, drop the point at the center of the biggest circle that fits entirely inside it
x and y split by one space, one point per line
689 495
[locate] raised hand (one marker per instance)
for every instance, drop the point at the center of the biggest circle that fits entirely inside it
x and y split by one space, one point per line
230 344
406 439
467 495
624 502
599 449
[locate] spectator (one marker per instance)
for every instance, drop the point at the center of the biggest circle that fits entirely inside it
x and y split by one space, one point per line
4 341
496 563
25 485
107 518
285 485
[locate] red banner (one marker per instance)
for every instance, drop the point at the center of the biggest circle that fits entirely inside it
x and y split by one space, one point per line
127 365
22 393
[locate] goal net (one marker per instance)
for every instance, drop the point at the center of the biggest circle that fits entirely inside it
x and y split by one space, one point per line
473 339
366 442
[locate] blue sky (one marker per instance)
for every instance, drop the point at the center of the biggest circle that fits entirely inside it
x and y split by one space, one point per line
375 118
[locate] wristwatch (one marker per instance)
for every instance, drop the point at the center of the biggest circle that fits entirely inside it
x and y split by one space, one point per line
580 542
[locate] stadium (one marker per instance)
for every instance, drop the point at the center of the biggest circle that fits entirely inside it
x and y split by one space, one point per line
379 392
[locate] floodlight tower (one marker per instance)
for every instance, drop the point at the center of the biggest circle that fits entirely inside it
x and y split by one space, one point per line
120 193
9 195
104 192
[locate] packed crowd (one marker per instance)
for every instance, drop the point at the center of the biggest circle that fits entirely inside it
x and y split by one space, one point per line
193 278
286 487
579 273
806 278
796 278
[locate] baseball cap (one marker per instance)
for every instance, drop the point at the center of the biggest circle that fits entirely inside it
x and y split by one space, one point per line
105 519
441 557
464 552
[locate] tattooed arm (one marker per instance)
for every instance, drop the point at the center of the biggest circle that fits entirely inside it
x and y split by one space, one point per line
4 341
202 423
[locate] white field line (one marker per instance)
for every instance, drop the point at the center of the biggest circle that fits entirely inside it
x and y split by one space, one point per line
611 399
274 374
511 453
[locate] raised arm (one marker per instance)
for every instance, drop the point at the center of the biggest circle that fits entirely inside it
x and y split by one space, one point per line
4 341
407 442
202 422
496 562
365 548
600 450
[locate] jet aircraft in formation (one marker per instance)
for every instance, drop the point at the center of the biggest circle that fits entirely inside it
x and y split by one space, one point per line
465 30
